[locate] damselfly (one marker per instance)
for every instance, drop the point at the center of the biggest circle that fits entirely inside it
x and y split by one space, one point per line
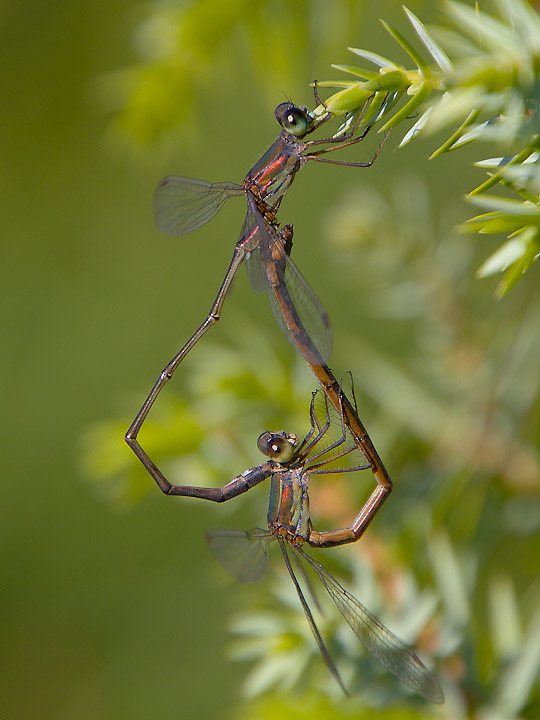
245 554
183 204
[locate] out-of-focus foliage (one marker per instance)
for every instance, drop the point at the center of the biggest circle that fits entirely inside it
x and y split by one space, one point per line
520 218
109 614
490 88
450 386
448 382
181 45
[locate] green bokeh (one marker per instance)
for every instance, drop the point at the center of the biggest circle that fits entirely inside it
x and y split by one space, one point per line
106 612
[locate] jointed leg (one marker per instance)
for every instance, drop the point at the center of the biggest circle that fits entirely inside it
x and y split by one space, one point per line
314 426
340 441
167 373
344 140
350 418
308 442
314 155
346 136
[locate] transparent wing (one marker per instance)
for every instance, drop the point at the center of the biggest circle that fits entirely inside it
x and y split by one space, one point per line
266 255
252 233
309 308
385 647
314 629
243 554
183 204
255 271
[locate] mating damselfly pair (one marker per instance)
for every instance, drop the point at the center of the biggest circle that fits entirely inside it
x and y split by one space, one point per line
185 204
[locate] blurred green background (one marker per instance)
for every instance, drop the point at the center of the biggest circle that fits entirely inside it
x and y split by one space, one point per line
113 609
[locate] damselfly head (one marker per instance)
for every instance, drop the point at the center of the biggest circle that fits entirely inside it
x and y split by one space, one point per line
277 446
295 120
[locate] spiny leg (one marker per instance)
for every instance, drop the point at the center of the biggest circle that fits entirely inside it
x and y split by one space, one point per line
314 155
319 468
346 136
344 140
337 397
300 453
340 441
315 424
353 393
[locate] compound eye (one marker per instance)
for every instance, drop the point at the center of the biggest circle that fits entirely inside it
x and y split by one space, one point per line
276 447
293 119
